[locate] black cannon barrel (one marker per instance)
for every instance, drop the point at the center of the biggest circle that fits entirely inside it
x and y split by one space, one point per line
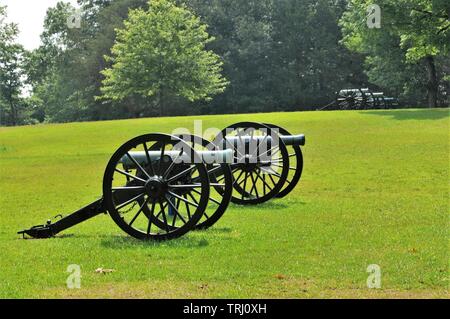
298 139
208 157
287 139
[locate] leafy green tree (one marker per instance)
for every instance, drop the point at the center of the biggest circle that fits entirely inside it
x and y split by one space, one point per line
11 73
309 64
161 52
243 33
53 68
413 39
65 70
103 18
279 54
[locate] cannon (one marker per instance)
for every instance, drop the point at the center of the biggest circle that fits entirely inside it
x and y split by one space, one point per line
362 99
159 186
267 164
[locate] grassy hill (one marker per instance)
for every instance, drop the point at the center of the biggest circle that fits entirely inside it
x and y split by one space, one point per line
374 191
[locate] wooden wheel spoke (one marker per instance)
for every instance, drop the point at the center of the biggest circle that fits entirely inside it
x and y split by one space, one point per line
152 210
171 166
234 148
164 217
160 212
130 175
259 145
140 211
188 210
182 199
137 165
237 179
254 185
128 202
210 198
220 179
245 184
210 173
214 170
270 151
264 184
291 168
128 188
240 136
263 179
147 155
189 186
271 178
243 180
214 200
193 198
179 175
161 158
176 211
272 172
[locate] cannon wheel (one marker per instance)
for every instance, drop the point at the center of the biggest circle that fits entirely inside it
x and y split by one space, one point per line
346 100
221 189
371 102
149 196
221 184
352 100
295 164
259 182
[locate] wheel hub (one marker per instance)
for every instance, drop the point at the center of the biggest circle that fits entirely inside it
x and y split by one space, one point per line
249 163
155 187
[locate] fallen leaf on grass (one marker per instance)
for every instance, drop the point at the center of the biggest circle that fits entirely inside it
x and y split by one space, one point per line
104 271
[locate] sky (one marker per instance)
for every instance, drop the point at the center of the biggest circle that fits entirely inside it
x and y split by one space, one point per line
29 15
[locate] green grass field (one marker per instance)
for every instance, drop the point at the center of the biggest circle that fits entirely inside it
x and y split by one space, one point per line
375 190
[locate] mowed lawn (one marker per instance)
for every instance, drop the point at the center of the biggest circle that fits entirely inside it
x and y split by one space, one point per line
375 190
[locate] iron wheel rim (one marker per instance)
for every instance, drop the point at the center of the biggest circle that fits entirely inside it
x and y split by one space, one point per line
255 178
146 209
292 182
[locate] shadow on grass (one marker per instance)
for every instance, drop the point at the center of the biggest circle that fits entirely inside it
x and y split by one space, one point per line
57 237
271 205
122 242
424 114
219 230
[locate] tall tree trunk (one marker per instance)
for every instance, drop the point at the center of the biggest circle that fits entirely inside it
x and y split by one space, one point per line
13 113
161 102
432 84
13 109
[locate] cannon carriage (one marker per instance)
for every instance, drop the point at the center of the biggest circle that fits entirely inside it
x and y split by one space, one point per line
159 186
363 99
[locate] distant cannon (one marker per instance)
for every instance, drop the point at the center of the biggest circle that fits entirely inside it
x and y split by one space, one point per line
363 99
159 186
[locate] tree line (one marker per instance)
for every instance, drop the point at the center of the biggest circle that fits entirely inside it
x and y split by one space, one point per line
134 58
